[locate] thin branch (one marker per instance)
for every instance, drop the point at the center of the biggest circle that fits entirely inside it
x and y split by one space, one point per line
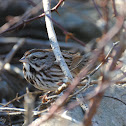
17 111
54 42
96 6
43 43
12 52
83 88
115 99
105 59
95 102
5 111
29 106
105 10
20 97
94 82
68 34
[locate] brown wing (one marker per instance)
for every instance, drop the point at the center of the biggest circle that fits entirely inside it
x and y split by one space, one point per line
78 63
75 61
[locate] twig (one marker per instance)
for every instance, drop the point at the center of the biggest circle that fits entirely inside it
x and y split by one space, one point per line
25 20
16 111
12 52
54 42
68 34
83 88
29 106
77 92
115 99
17 22
20 97
105 10
112 32
94 82
97 8
105 59
43 43
95 102
114 8
5 111
11 109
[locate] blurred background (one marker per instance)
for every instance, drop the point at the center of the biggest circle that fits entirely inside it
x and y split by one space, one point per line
86 20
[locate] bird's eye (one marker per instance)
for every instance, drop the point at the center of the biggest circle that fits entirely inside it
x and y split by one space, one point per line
33 58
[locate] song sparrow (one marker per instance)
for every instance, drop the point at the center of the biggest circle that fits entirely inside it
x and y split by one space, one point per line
42 71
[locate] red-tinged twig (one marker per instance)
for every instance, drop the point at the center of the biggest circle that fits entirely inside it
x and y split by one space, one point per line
25 21
15 23
95 98
76 39
95 102
53 9
96 6
114 8
68 34
112 32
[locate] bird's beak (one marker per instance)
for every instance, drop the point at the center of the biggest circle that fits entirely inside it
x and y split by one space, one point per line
23 59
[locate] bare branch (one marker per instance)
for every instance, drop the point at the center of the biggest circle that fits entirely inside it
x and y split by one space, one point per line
29 106
96 6
54 42
12 52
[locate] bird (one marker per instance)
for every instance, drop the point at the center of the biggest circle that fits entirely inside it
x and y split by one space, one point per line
41 69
